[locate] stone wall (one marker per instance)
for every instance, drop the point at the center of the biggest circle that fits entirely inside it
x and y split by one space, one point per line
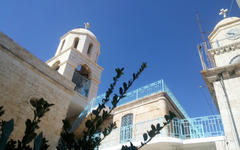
232 88
148 108
23 76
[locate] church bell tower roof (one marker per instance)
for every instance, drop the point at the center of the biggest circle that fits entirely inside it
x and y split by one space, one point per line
84 31
226 21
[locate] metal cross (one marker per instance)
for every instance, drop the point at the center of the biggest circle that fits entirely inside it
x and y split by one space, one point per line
223 12
87 25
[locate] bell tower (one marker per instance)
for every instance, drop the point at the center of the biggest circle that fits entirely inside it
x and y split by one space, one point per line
76 59
222 74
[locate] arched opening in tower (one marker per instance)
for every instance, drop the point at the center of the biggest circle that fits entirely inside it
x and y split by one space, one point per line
81 78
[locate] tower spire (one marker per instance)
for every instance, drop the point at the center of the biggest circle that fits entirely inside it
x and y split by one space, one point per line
223 12
87 25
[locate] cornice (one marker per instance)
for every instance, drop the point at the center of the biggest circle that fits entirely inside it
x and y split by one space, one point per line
88 59
223 49
74 66
147 100
212 75
85 57
94 39
61 53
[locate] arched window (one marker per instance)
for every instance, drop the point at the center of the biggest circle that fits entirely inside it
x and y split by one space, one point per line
89 49
56 65
63 42
81 79
75 43
235 60
126 128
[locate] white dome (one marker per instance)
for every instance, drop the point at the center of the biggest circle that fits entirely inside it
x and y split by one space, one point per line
226 21
84 31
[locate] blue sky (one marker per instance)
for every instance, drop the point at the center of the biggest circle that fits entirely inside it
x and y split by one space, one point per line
164 34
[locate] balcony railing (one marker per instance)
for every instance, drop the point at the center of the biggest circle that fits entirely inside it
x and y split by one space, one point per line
192 128
207 52
150 89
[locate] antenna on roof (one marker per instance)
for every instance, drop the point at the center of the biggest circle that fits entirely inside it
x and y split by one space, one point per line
200 27
204 43
204 65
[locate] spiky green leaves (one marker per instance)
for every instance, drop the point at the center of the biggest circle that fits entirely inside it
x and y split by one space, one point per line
7 128
40 108
1 111
98 116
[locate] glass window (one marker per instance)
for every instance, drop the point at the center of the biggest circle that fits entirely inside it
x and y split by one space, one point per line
126 128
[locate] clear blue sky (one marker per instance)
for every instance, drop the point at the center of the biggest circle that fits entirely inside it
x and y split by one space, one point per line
162 33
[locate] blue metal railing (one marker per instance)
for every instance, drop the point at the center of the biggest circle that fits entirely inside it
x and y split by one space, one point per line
150 89
191 128
91 105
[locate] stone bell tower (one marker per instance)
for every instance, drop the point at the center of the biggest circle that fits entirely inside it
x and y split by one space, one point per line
221 72
76 59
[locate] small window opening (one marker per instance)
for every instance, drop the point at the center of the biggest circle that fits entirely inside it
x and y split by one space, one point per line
89 49
56 65
62 45
75 44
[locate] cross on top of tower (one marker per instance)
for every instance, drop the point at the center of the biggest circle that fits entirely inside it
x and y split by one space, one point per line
223 12
87 25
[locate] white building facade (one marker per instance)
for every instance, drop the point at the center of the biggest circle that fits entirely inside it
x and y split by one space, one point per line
76 59
222 76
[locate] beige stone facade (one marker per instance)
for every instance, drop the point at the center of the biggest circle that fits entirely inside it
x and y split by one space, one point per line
150 108
22 77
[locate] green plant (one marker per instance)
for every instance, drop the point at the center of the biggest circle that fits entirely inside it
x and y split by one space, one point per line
40 143
89 141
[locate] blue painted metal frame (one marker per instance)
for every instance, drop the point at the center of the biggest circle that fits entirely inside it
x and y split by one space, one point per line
191 128
126 128
150 89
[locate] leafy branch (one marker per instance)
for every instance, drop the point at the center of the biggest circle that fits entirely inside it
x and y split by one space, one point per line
40 143
98 116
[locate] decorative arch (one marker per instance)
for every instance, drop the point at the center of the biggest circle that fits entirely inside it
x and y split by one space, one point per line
84 70
126 128
235 60
56 65
81 77
75 42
